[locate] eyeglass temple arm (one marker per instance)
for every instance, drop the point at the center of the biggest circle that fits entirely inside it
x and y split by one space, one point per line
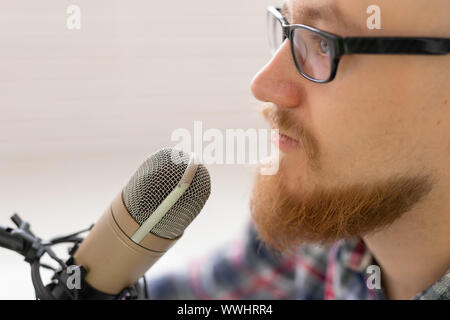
395 45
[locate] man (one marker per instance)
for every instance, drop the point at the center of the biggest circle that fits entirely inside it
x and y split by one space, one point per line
364 178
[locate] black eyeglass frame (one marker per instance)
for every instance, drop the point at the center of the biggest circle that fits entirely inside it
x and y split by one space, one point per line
361 45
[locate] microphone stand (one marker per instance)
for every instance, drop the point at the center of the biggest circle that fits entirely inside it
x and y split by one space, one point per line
24 242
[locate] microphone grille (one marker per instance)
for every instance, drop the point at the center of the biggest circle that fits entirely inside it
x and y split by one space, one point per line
153 182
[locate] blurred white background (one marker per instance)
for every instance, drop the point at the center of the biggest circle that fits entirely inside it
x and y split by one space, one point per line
81 109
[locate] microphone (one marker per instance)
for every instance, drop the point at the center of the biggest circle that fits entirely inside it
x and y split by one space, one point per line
144 220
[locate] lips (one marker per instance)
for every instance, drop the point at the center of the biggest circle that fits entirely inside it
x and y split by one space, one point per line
285 142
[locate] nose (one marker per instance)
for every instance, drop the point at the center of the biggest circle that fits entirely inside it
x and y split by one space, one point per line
279 81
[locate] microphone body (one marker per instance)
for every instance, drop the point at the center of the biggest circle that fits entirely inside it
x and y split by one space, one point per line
112 259
144 221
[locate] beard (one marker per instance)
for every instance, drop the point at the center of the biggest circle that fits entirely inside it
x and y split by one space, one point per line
287 217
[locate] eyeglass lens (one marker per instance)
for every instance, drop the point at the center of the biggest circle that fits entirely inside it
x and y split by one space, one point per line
312 52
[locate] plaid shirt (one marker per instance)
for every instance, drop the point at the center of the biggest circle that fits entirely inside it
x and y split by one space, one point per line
248 270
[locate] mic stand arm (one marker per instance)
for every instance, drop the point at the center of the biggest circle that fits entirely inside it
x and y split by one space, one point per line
24 242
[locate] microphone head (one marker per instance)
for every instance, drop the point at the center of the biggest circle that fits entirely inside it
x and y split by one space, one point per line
153 182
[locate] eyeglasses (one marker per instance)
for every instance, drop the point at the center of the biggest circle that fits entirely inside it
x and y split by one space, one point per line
317 53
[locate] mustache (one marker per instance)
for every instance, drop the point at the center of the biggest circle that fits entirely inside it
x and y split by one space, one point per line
281 119
284 120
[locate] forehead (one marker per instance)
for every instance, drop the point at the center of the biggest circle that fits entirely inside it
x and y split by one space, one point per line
399 17
325 13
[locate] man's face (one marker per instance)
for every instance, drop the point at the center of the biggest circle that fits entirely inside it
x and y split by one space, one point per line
370 144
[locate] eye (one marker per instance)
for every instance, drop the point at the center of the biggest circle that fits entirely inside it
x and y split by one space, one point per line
319 45
324 48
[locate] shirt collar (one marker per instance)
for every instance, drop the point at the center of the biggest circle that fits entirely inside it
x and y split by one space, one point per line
354 254
438 291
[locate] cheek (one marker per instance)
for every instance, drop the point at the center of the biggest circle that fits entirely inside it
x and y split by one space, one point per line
367 124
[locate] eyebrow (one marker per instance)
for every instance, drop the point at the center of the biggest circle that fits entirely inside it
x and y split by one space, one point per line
329 13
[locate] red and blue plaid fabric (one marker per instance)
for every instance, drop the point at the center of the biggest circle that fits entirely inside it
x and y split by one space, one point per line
249 270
